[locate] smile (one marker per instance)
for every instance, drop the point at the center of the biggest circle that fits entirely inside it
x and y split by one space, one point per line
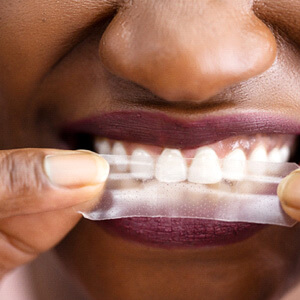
176 151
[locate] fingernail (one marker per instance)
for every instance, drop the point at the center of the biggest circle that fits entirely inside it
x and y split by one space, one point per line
289 190
75 170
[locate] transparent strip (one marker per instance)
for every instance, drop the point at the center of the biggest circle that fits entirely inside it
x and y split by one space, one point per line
245 193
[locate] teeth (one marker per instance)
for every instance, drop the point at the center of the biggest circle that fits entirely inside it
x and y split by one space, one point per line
102 146
259 154
171 166
141 164
205 167
234 165
118 149
285 153
275 156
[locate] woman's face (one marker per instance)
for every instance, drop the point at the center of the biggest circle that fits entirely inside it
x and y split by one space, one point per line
155 74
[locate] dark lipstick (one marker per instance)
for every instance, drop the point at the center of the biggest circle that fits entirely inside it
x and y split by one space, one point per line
162 130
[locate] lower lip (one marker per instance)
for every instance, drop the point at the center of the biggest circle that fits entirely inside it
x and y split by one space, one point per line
179 232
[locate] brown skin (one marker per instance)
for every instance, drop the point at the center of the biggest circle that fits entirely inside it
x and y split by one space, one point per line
60 62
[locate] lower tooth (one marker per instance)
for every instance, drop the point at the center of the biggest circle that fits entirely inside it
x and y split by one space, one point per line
234 165
141 165
205 167
171 166
118 149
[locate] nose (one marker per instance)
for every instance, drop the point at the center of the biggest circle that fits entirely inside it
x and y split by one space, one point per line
187 50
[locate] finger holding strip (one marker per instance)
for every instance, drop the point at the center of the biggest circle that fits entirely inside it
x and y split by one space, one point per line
289 194
39 190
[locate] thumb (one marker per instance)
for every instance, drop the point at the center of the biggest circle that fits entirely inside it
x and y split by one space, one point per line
38 192
39 180
289 194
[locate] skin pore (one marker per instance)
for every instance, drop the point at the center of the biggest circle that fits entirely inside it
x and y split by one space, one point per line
62 61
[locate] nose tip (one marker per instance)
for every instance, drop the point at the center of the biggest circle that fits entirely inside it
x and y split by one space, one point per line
187 57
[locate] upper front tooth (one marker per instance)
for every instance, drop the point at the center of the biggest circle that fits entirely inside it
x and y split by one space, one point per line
141 164
259 154
171 166
118 149
102 146
205 167
234 165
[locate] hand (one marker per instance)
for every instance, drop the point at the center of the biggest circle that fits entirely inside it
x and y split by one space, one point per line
289 194
38 192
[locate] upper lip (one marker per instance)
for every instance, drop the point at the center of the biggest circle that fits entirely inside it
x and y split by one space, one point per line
162 130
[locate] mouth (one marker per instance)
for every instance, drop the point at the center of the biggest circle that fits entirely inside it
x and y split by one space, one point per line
145 135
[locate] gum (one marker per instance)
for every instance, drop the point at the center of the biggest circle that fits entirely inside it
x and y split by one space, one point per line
222 148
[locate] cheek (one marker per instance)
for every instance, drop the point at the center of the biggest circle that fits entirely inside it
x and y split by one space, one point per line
284 14
33 37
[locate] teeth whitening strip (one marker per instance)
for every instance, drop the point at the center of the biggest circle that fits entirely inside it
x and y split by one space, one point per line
246 193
